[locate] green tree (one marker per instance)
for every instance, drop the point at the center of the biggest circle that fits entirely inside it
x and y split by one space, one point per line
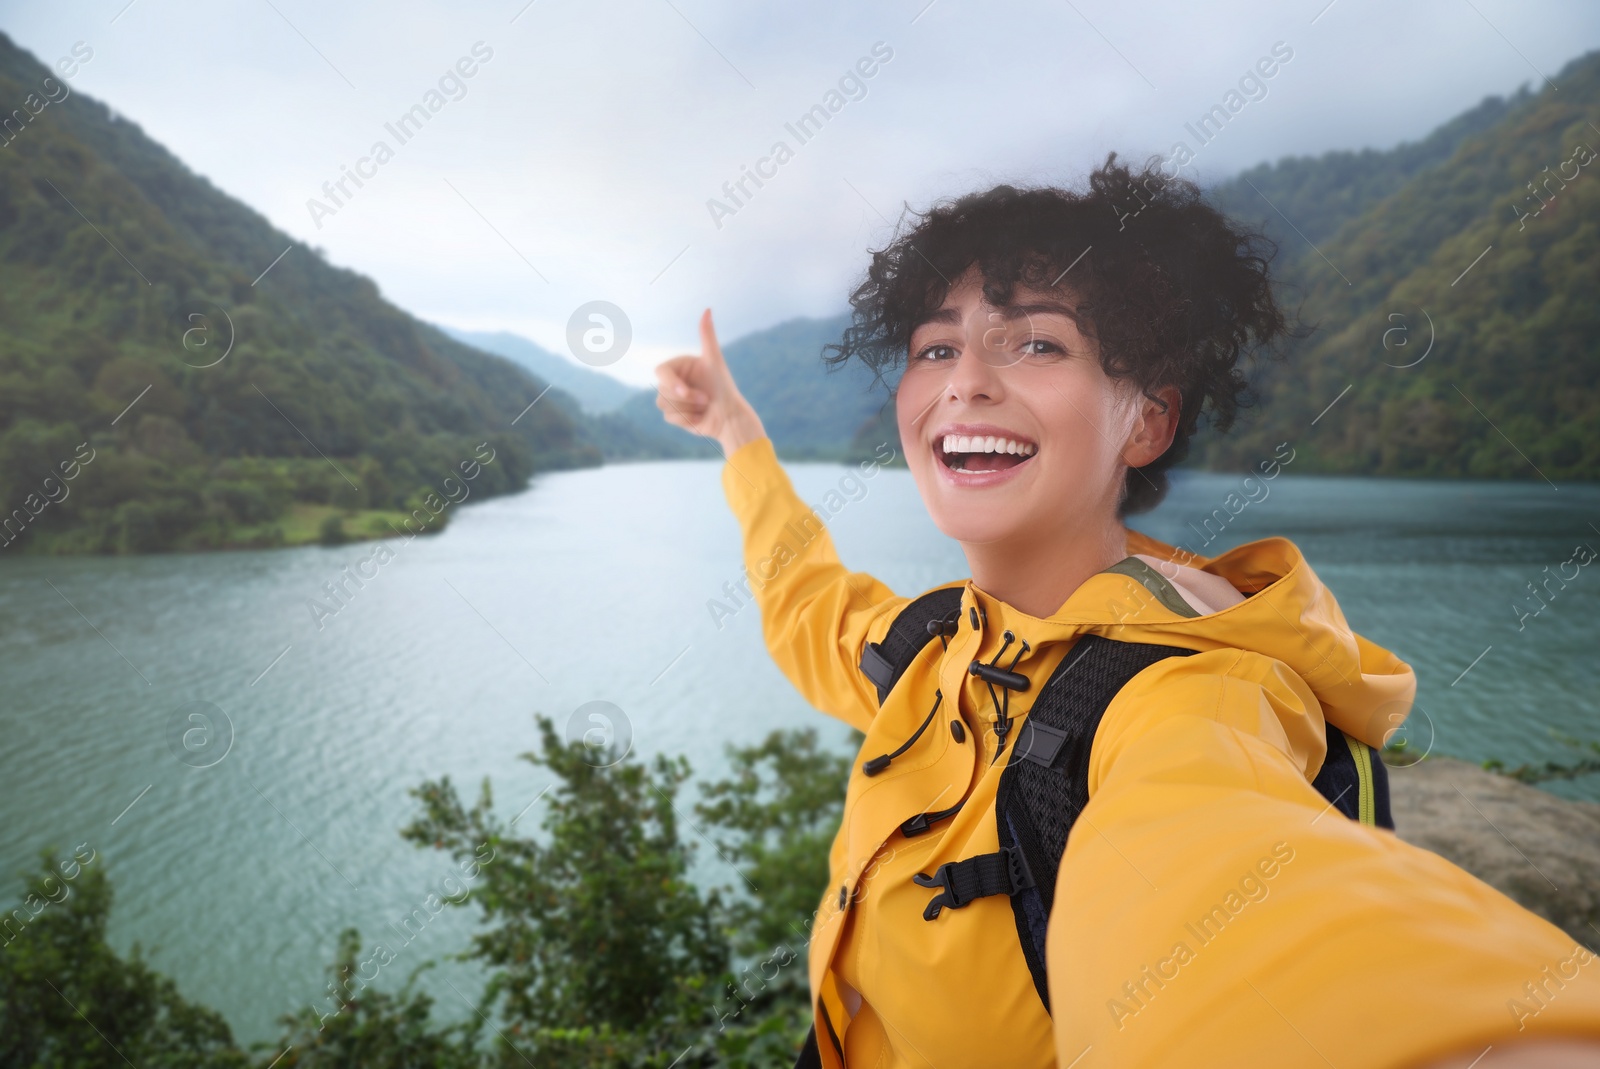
603 951
332 532
360 1025
68 1001
774 820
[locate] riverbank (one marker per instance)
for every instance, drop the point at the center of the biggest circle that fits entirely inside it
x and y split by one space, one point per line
305 524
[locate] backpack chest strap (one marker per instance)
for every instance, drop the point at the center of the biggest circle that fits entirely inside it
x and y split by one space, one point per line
1045 783
1004 872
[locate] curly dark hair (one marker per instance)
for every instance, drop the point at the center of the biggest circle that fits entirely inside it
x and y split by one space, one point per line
1169 288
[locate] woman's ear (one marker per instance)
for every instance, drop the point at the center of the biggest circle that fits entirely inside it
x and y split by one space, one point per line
1154 427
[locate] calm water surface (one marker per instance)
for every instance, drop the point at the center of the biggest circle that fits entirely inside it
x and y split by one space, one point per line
593 585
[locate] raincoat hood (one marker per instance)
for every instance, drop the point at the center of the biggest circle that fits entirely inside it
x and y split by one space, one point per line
1288 615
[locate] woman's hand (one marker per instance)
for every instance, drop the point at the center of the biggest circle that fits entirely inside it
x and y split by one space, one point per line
698 394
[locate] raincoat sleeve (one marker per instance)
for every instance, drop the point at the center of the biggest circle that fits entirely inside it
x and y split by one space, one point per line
816 615
1213 909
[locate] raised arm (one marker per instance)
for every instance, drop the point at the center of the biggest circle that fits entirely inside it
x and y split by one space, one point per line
816 615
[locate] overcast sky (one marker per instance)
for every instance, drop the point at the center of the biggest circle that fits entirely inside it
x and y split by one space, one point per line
578 161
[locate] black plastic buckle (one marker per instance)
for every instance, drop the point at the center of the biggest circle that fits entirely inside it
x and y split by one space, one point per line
1017 866
1017 878
940 878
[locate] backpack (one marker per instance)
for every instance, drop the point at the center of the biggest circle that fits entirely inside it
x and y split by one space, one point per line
1044 785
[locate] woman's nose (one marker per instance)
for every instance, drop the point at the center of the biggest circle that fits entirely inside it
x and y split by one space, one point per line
988 352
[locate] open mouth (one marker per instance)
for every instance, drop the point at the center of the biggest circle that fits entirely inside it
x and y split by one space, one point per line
978 454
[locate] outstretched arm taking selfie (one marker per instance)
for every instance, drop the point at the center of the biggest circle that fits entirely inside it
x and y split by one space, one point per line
816 615
1210 902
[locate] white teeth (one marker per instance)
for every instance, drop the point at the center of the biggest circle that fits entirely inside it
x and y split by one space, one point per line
961 443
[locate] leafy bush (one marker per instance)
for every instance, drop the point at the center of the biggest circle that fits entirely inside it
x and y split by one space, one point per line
68 1001
371 1027
332 532
601 950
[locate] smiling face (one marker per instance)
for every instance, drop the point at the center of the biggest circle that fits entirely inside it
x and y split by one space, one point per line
1014 433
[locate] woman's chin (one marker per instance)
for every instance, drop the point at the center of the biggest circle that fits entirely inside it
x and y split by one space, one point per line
970 529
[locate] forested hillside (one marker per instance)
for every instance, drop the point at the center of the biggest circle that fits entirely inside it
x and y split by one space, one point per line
1482 239
1322 193
162 388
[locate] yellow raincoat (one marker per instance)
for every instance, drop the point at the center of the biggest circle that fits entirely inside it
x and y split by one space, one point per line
1211 908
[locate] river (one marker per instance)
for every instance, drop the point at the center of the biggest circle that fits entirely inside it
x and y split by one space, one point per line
237 855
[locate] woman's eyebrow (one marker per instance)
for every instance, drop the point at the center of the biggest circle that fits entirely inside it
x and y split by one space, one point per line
1011 311
943 315
1018 311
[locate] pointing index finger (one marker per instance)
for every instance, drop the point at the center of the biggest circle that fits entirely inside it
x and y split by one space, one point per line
708 339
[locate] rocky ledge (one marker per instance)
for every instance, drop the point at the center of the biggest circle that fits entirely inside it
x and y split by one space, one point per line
1539 849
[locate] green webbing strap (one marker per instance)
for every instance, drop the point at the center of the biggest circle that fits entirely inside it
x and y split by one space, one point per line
1154 582
1367 801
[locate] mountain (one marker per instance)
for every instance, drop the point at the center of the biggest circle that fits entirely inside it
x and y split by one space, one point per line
1319 194
1457 306
175 373
810 411
595 391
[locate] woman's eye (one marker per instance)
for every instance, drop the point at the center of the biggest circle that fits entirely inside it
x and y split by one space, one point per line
936 352
1040 347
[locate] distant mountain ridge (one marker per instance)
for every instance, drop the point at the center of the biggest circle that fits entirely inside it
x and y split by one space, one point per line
595 391
809 411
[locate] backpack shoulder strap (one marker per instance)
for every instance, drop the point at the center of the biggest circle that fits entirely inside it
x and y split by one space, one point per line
885 662
1046 784
1044 787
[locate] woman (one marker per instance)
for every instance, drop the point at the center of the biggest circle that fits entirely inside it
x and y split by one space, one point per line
1212 906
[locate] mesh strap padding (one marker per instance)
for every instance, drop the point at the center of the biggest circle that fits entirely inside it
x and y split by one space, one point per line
1045 785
